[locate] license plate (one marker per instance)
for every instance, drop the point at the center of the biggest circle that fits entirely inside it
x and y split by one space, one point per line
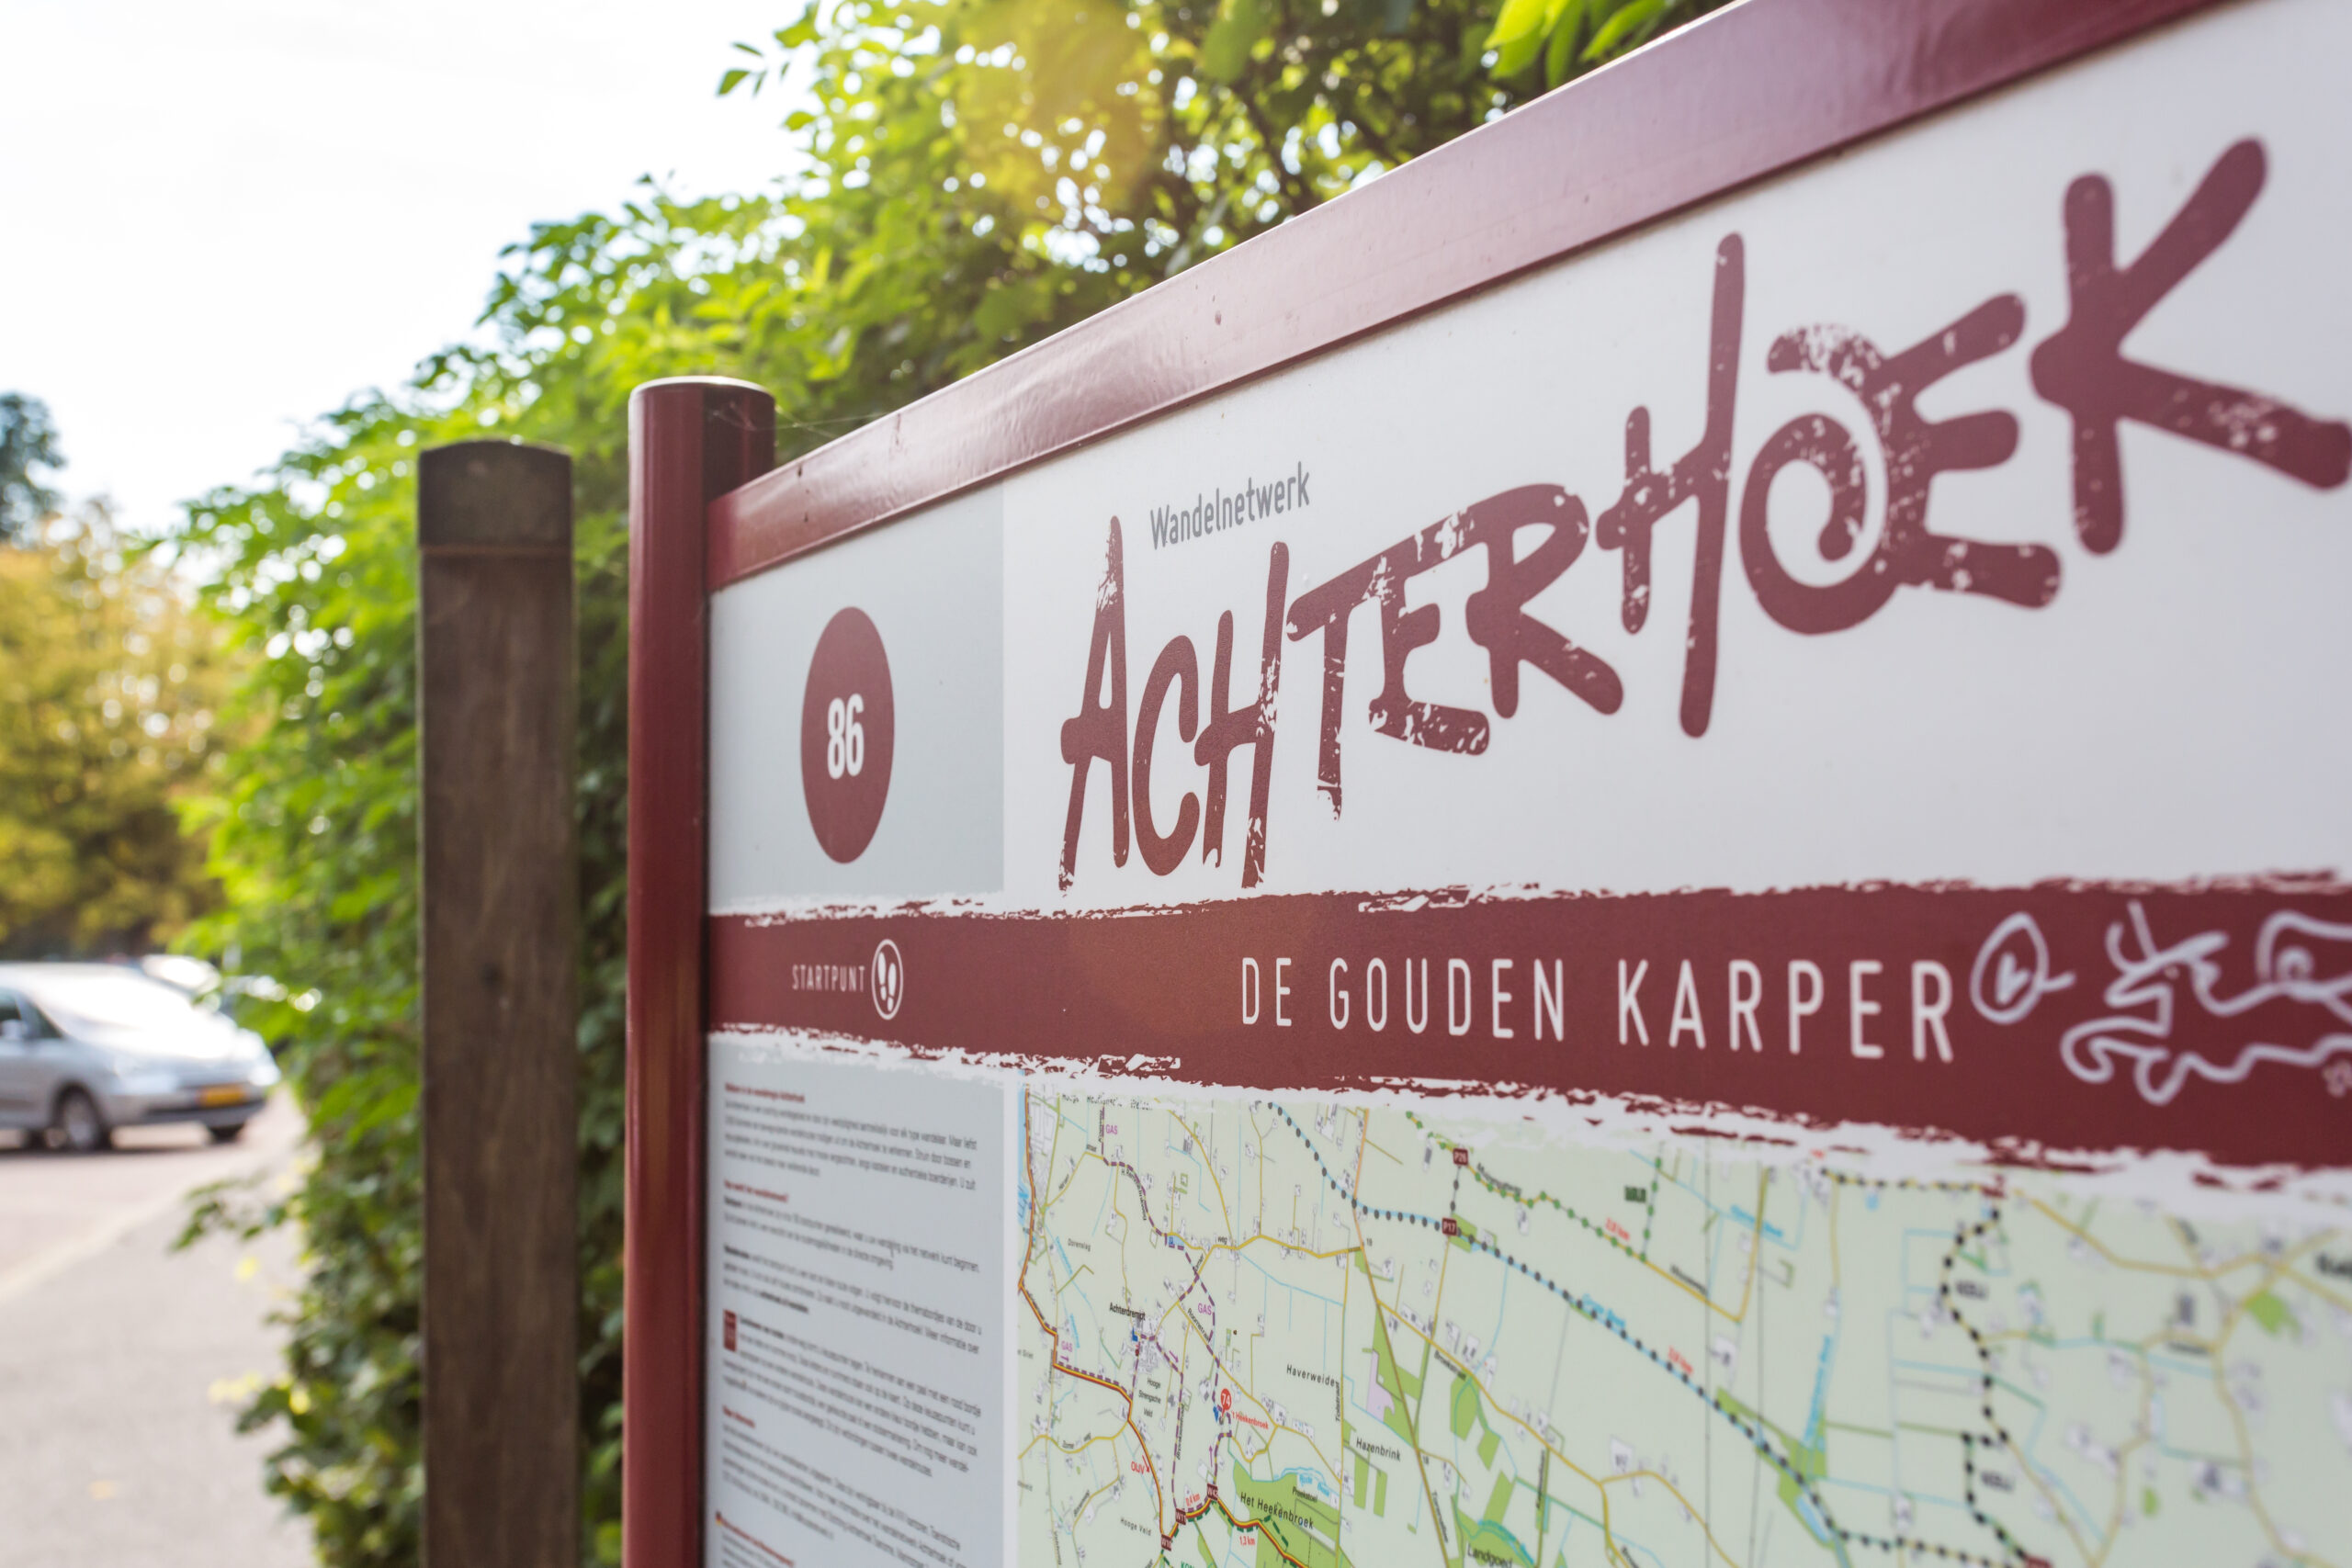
223 1094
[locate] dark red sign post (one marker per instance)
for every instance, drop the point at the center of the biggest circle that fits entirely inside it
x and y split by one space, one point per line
690 442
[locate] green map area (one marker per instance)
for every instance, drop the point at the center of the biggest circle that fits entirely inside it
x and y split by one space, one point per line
1269 1331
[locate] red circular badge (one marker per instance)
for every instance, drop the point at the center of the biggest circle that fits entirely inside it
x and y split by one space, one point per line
845 735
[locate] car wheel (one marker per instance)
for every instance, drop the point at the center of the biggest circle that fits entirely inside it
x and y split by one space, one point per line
84 1130
229 1134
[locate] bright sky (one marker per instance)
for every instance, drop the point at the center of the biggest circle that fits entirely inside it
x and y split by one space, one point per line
223 217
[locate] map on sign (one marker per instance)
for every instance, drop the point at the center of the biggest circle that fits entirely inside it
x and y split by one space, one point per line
1268 1332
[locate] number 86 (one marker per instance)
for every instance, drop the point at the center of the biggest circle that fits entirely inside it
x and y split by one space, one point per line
844 737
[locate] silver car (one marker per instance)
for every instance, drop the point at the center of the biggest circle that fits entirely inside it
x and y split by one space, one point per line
86 1048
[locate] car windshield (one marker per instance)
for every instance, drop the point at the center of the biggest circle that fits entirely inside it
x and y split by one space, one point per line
110 1002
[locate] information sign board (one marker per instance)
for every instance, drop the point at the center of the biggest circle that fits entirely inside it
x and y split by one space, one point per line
1676 896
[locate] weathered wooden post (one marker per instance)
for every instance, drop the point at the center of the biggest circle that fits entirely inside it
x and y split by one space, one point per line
500 893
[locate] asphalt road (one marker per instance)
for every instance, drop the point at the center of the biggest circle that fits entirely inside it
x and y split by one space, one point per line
121 1361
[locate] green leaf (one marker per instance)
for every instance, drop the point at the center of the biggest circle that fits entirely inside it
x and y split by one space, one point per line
1639 13
1514 57
1559 56
1224 53
732 80
1519 18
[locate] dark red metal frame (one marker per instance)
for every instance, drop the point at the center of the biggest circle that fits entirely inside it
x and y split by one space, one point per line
689 442
1749 93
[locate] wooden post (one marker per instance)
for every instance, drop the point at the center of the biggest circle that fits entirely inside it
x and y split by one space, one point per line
496 709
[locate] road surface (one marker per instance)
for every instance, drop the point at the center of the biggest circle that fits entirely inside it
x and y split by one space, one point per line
121 1361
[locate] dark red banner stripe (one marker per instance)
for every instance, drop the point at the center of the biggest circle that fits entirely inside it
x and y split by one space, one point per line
2216 1021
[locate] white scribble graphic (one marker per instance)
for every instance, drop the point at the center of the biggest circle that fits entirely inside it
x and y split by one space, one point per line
2147 992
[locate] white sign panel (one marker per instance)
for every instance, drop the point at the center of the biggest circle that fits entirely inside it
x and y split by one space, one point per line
1693 910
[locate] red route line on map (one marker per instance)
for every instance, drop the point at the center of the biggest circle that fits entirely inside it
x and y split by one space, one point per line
1184 1518
1159 1500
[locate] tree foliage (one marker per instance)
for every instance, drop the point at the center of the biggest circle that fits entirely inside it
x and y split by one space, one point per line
109 686
28 441
966 177
1552 40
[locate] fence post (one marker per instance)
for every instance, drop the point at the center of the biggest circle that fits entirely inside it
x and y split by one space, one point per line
496 710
